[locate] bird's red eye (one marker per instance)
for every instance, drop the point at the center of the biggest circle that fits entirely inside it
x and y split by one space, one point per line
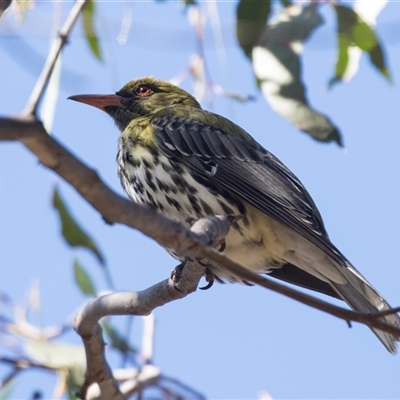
143 91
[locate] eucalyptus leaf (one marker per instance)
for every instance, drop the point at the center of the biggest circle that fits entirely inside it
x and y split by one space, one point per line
83 280
251 16
117 340
88 14
277 65
353 31
74 235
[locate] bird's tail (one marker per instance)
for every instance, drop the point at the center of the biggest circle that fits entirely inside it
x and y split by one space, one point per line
362 297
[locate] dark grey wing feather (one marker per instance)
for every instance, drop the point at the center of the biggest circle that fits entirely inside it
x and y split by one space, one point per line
251 173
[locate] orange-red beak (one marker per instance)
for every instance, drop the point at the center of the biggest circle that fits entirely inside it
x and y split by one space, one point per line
98 100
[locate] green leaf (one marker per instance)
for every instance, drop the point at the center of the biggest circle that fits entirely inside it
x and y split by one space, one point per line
83 280
364 36
342 60
378 59
74 235
277 65
117 340
88 27
353 31
251 17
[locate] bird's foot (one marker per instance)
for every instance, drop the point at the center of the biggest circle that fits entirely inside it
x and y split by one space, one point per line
210 276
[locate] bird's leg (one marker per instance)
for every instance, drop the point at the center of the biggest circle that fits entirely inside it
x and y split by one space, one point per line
215 238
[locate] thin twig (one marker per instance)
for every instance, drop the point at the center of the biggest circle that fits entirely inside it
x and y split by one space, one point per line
10 377
41 83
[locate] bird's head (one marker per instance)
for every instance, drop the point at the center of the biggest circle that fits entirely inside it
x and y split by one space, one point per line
138 98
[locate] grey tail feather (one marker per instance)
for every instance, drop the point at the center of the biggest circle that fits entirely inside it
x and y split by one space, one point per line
362 297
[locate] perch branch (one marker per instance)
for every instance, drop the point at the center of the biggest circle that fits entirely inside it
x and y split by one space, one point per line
124 303
190 244
212 231
166 232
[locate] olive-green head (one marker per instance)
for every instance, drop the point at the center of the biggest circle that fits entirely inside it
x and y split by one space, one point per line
139 97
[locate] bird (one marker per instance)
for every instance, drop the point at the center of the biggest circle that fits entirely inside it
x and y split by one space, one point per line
190 163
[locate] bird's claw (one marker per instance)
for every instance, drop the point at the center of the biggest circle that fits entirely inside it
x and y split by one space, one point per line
210 278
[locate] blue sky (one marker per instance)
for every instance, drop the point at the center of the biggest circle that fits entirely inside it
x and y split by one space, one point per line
231 341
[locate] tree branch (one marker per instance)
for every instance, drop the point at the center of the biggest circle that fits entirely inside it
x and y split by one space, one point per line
190 244
194 244
166 232
41 83
211 230
125 303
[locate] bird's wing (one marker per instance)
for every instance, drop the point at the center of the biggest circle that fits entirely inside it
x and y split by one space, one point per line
234 162
250 172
